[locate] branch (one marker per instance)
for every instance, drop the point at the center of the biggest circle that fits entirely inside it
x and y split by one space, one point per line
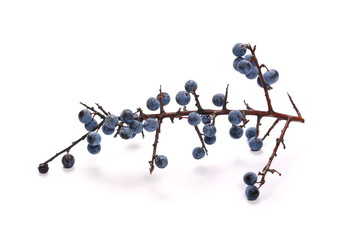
294 106
198 104
225 99
267 169
259 67
201 138
273 125
67 149
155 145
92 109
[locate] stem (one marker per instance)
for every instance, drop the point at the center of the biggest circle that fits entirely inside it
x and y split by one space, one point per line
225 100
155 146
267 169
67 149
268 100
273 125
201 138
198 104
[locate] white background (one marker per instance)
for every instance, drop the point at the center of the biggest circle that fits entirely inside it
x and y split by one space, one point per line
54 54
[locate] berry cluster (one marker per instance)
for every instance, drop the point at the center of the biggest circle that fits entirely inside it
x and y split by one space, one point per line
130 123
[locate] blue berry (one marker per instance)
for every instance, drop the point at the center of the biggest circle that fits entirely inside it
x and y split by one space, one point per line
194 119
210 140
244 67
250 132
271 76
93 138
91 125
250 178
136 126
111 121
43 168
126 133
206 118
153 104
165 98
183 98
107 131
236 132
253 74
209 130
252 192
127 116
255 143
68 160
239 50
93 149
161 161
85 116
198 153
236 61
190 86
235 117
248 57
150 125
218 99
261 84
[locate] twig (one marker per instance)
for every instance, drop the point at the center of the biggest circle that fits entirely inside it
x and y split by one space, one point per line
102 109
267 169
201 138
273 125
198 104
155 146
225 100
259 67
294 106
67 149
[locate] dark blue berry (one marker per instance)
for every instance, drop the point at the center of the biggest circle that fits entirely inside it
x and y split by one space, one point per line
255 143
85 116
91 125
239 50
235 117
252 192
250 178
43 168
210 140
68 160
198 153
161 161
190 86
93 149
236 132
153 104
93 138
218 99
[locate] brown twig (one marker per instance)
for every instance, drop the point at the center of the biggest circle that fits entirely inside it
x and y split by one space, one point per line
294 106
267 168
259 67
225 100
273 125
201 139
67 149
155 146
198 104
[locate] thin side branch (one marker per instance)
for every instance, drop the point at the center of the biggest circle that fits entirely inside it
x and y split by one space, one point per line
225 100
273 125
67 149
155 146
267 168
201 139
294 106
